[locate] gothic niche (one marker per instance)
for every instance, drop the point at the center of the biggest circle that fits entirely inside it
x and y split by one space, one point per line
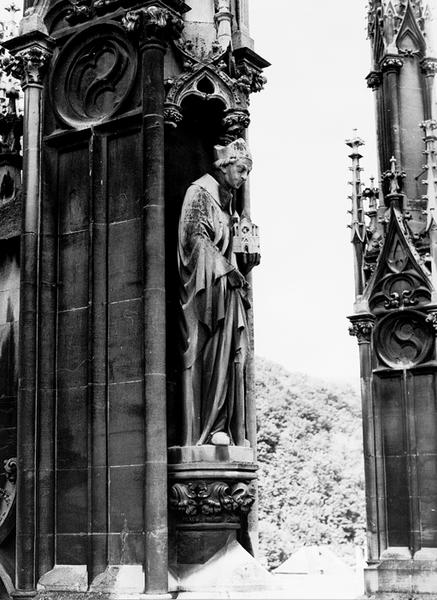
206 105
93 75
189 154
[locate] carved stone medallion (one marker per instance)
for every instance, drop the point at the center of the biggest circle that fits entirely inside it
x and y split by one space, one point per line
404 339
93 75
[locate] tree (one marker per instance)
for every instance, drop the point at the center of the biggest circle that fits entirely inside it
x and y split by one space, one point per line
311 465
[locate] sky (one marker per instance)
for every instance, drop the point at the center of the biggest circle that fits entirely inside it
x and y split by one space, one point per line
315 96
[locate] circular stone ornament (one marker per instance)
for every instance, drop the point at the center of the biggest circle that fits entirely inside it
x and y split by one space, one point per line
93 74
404 339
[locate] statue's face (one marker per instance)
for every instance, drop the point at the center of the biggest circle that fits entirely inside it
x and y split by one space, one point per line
236 173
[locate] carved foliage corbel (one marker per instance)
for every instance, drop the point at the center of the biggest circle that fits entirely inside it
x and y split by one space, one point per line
374 80
391 62
80 11
172 114
28 65
249 80
153 24
362 327
429 66
233 124
197 501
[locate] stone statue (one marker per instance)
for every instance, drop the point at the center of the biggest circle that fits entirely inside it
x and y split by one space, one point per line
214 299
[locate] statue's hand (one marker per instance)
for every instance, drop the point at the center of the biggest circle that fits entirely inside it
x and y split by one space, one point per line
246 261
236 279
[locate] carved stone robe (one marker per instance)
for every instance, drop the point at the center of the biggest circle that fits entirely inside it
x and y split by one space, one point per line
214 317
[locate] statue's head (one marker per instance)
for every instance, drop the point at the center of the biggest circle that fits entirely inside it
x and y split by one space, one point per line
234 161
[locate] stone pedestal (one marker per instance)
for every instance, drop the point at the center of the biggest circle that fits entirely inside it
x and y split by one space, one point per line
211 494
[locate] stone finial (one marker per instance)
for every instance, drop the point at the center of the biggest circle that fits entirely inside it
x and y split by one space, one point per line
357 224
371 193
393 180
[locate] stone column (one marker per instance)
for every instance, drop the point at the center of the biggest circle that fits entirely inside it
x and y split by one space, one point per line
429 69
374 82
154 25
362 327
390 67
241 36
250 542
28 63
223 18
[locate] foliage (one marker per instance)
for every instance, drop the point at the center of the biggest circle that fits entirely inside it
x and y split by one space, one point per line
311 475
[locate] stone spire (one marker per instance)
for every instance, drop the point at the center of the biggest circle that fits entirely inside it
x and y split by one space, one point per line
402 77
357 225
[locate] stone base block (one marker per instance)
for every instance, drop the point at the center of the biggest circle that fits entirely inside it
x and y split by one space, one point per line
211 492
52 595
402 578
120 579
65 578
231 569
117 582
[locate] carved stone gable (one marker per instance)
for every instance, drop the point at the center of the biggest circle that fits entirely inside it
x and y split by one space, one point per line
410 38
397 26
399 280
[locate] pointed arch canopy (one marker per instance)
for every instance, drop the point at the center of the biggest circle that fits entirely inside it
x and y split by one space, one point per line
207 82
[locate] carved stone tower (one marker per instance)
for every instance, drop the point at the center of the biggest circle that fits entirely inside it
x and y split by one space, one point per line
394 241
124 101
